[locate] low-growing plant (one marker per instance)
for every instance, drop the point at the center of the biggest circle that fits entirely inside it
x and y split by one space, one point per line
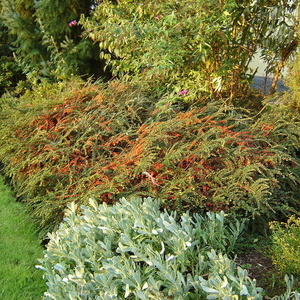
132 250
290 293
65 117
108 141
286 245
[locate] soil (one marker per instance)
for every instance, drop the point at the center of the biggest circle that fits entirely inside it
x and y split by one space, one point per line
261 268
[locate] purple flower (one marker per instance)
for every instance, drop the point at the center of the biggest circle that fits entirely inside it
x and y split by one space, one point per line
183 92
72 23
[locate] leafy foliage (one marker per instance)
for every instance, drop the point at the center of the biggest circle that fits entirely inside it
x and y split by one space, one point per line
47 44
289 294
10 73
18 16
68 142
200 46
293 77
56 131
132 250
286 245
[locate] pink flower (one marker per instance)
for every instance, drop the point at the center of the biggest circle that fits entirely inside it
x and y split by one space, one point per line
157 17
183 92
72 23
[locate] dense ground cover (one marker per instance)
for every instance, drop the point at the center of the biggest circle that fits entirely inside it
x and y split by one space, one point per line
20 248
110 140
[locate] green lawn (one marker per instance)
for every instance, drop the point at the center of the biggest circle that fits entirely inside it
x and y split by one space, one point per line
19 250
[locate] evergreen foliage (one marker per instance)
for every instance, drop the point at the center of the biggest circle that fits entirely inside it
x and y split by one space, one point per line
65 142
47 43
19 17
62 34
10 73
203 47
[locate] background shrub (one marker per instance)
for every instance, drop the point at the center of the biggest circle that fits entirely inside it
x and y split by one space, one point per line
47 39
132 250
10 73
201 46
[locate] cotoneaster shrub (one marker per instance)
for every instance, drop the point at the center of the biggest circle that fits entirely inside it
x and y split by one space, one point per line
107 141
132 250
